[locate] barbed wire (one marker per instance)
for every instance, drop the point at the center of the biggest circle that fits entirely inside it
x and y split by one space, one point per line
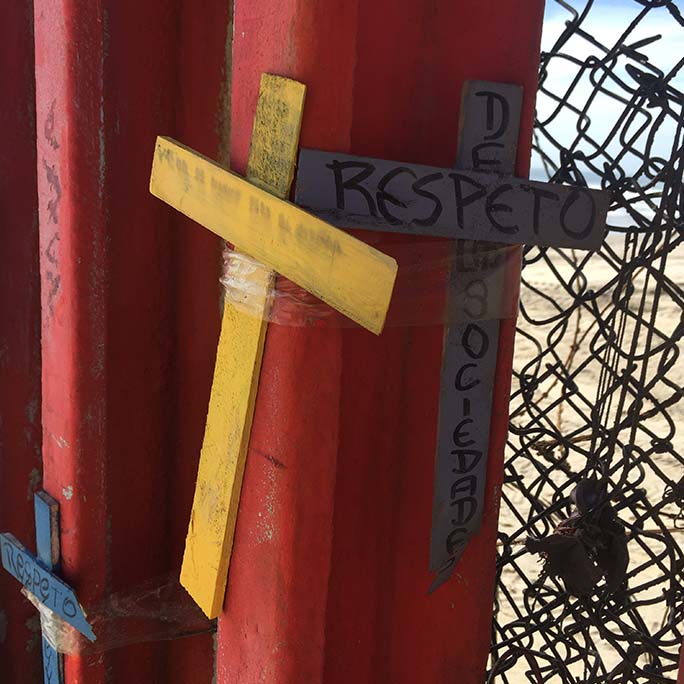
590 562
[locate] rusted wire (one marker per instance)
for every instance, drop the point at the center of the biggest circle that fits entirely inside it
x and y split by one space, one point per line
598 380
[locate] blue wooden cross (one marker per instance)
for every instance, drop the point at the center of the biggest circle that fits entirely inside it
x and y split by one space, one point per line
37 576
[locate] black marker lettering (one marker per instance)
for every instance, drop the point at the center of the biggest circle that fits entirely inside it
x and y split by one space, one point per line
353 183
459 506
539 195
383 196
48 661
19 564
417 188
447 565
572 199
462 200
8 552
458 382
492 207
56 593
69 608
464 484
44 589
467 342
461 435
505 114
452 541
462 463
482 163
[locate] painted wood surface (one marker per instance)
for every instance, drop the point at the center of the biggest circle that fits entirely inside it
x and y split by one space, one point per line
344 272
488 140
379 194
47 550
209 543
49 589
217 494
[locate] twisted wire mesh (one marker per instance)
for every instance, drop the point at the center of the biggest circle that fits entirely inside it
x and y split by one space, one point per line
597 386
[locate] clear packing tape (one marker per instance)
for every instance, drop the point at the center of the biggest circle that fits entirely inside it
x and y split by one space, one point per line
158 610
419 296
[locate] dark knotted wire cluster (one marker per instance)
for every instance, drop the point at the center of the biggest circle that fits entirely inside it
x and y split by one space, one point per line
590 568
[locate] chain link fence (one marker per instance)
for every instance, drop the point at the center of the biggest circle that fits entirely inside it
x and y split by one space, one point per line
590 565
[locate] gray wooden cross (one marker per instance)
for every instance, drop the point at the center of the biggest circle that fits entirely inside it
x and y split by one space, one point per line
479 200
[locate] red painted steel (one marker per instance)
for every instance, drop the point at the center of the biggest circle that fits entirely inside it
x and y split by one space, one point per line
20 464
329 574
130 298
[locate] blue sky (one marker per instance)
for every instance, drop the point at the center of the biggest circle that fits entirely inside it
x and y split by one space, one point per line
607 21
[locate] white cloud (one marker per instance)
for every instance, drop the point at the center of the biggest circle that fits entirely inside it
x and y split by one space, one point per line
607 21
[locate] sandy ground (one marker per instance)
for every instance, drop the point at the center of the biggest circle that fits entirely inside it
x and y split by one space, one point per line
657 470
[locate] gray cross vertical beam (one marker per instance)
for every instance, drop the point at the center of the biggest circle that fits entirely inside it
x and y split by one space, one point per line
488 141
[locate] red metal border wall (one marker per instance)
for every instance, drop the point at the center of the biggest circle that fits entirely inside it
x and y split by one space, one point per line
20 464
130 299
329 573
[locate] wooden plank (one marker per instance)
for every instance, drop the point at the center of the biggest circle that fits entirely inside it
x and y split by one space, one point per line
471 338
344 272
465 409
209 543
49 589
222 460
378 194
275 134
48 552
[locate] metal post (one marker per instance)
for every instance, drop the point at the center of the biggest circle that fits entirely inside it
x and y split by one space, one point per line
329 572
20 464
130 298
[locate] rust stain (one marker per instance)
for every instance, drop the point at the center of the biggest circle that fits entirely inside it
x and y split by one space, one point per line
49 128
53 181
53 279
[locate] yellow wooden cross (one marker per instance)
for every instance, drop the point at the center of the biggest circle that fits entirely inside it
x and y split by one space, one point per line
352 277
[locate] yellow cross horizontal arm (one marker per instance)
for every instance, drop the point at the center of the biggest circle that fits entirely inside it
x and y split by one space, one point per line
344 272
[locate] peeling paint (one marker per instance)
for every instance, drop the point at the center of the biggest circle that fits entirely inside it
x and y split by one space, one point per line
223 118
49 128
52 277
33 483
265 527
52 177
59 441
68 492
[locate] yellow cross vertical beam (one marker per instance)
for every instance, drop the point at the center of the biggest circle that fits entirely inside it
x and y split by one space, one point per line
208 546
